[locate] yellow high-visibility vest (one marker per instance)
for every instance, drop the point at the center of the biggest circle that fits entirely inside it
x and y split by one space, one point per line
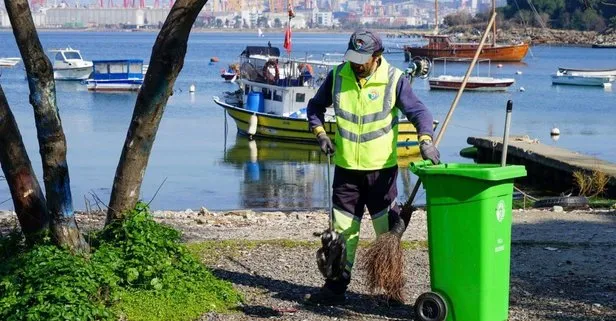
367 122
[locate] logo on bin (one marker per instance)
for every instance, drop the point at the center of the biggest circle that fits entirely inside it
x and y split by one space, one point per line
500 211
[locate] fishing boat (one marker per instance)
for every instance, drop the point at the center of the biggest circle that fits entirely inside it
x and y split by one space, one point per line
273 95
9 62
68 64
444 46
474 83
116 75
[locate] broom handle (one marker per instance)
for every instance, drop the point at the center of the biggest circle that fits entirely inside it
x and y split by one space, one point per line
330 208
440 134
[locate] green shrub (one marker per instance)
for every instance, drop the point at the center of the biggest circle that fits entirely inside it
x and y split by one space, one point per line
138 270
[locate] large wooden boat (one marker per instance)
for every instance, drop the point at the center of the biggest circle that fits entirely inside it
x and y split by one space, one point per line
442 46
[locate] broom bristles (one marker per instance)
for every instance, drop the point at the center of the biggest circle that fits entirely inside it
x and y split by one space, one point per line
384 266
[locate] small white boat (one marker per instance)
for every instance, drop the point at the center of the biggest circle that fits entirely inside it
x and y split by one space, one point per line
586 72
116 75
581 80
9 62
473 83
68 64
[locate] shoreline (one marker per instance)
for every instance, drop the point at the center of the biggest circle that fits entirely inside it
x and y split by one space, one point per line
561 263
536 36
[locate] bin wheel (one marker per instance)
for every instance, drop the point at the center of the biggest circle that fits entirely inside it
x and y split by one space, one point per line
430 306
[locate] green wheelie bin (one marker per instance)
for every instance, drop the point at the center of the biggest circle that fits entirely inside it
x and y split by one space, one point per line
469 239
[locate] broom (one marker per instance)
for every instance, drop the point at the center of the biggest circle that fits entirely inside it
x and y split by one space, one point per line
384 258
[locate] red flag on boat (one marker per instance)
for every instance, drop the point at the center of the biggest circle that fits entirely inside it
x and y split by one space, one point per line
287 40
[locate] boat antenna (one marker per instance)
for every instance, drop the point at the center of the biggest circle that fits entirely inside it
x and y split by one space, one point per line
494 25
436 17
288 39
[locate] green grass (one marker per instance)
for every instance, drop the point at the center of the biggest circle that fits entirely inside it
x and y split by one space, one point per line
598 202
138 270
212 251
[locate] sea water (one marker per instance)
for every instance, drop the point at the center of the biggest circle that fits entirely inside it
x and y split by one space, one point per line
202 162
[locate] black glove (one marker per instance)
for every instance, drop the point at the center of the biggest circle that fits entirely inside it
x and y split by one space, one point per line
326 144
429 151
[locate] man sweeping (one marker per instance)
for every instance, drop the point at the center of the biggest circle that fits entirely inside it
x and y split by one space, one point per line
367 93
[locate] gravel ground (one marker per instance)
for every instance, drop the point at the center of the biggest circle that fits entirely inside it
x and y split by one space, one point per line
562 264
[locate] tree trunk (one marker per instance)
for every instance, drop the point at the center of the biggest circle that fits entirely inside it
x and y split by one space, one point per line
28 198
166 63
52 143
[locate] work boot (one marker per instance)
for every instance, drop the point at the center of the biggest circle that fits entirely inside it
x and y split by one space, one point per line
325 296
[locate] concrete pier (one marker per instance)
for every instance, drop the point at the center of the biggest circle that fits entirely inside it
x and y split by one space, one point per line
547 166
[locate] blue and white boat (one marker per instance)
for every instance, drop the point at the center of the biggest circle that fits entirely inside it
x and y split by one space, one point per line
584 77
116 75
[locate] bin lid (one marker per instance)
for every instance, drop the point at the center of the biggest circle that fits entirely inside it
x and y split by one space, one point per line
487 172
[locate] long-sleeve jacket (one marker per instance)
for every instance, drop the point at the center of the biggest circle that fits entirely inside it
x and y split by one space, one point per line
406 101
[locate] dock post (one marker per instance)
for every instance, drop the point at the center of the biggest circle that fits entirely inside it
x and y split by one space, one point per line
506 134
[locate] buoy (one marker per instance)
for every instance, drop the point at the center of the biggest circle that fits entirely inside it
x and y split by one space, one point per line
555 131
555 137
252 124
191 88
214 59
607 86
522 89
254 152
499 65
518 72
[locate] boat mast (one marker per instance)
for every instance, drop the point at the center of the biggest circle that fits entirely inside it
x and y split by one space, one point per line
436 17
494 25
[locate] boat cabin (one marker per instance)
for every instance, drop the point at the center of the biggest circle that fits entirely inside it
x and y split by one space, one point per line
118 69
279 85
65 56
126 75
284 101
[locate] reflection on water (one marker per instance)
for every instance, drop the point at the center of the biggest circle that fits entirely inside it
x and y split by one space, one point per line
279 175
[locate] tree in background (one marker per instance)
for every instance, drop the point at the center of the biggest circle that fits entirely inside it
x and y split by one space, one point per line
565 14
458 19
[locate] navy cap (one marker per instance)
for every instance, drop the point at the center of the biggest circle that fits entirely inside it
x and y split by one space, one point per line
362 45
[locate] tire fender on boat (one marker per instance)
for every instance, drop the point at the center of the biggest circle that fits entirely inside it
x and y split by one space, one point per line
252 124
